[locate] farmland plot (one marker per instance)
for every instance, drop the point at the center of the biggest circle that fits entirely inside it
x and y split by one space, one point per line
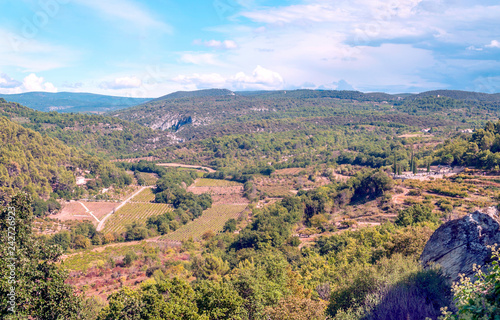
131 212
146 195
211 219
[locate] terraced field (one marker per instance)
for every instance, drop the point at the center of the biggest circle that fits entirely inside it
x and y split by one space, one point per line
212 219
146 195
131 212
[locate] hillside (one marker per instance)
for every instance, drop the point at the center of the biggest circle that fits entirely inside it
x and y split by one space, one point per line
41 166
460 95
72 102
96 134
245 113
196 94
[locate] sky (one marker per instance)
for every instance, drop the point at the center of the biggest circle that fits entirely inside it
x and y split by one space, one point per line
140 48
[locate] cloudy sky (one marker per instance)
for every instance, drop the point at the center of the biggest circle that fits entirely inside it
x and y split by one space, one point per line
150 48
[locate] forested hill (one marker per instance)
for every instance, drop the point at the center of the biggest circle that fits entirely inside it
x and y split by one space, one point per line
196 94
41 166
96 134
72 102
191 117
459 95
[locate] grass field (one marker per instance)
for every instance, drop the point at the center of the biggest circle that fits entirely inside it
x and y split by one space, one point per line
215 183
212 219
146 195
131 212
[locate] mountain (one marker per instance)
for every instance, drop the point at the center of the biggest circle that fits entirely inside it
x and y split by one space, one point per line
218 112
309 94
96 134
72 102
196 94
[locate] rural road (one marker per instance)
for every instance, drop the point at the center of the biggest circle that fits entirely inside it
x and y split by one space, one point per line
100 226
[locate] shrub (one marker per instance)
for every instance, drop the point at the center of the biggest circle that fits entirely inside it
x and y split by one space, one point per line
129 258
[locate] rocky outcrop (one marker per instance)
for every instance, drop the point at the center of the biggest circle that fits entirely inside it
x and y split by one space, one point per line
459 244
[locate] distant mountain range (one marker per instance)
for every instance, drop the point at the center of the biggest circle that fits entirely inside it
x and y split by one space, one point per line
93 103
72 102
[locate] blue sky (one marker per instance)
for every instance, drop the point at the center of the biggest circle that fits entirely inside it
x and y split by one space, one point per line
151 48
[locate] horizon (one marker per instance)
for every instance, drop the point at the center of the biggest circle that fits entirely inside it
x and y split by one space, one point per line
133 48
152 98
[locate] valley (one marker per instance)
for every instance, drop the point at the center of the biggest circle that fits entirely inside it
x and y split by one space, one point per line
314 186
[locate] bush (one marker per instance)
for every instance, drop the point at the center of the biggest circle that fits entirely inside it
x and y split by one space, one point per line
415 214
129 258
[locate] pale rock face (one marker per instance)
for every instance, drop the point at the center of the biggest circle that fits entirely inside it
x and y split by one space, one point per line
459 244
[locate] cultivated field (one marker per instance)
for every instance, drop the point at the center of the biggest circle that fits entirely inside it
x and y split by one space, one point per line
212 219
215 183
131 212
146 195
149 178
222 191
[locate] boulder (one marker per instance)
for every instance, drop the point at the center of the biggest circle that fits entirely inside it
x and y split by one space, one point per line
459 244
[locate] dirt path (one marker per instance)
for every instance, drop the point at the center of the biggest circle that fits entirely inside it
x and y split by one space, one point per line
88 211
400 198
185 166
100 226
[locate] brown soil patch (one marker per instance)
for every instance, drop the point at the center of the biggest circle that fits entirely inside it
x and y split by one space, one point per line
222 195
74 210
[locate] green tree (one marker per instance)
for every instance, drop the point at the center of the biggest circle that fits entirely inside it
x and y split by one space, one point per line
415 214
40 291
218 300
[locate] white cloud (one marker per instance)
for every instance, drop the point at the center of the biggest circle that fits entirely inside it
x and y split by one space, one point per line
297 14
472 48
493 44
209 80
122 83
260 79
200 59
30 83
34 83
226 44
127 11
8 82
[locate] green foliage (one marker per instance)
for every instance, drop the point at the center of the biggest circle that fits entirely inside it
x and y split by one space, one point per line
136 231
129 258
42 166
230 226
218 300
39 282
96 134
270 227
478 299
395 288
416 214
168 299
